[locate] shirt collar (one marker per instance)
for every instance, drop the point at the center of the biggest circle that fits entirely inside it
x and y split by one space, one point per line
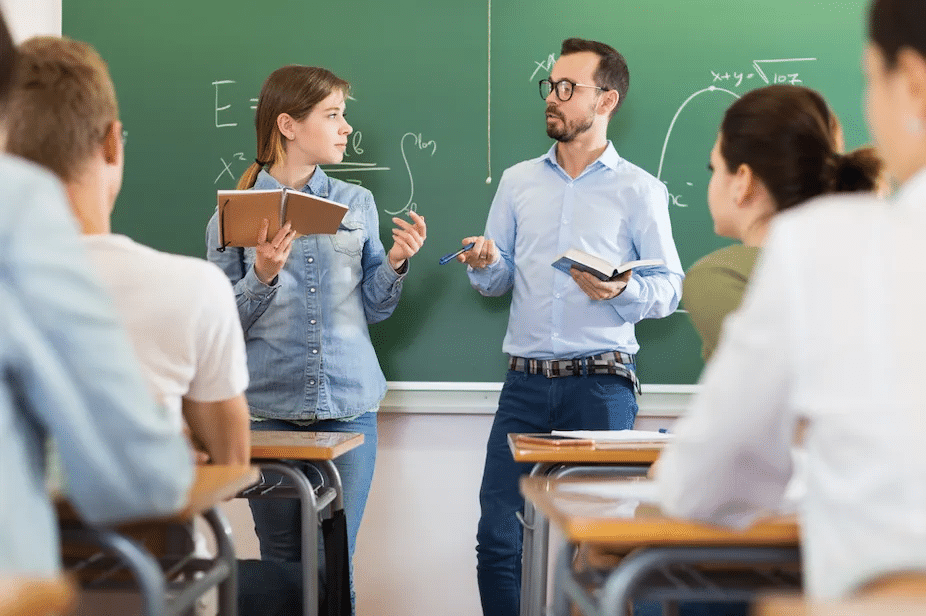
318 184
609 158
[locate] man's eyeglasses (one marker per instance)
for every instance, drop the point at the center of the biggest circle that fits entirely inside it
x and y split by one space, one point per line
563 88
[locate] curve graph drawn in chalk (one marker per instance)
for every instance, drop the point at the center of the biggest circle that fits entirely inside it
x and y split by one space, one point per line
675 198
665 144
417 140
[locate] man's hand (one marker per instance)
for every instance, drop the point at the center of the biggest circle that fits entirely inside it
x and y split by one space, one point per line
600 289
482 254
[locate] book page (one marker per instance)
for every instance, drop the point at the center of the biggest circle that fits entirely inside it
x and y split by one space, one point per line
309 214
242 212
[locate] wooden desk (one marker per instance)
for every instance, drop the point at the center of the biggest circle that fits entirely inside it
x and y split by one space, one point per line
615 459
22 596
302 445
612 453
212 484
880 606
282 452
655 543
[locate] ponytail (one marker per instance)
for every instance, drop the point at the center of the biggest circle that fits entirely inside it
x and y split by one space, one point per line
856 171
249 176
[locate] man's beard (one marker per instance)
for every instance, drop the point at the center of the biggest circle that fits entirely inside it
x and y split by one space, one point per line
567 131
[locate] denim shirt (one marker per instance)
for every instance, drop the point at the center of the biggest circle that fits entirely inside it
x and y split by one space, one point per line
309 350
69 373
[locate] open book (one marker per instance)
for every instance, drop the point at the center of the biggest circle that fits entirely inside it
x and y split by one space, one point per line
241 213
598 267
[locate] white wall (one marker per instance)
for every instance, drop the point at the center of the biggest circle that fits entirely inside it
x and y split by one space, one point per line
27 18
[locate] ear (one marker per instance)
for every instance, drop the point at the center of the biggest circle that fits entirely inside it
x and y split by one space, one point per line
912 67
285 124
744 185
607 102
112 144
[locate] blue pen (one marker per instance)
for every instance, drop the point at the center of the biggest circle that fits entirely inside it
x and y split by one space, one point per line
453 255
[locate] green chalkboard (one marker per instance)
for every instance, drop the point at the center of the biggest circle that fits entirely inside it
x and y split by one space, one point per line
446 96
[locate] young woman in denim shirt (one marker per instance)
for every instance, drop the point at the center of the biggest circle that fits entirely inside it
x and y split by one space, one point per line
305 302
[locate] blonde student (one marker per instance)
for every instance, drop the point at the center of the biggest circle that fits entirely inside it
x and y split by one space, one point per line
179 311
305 302
69 374
831 332
777 147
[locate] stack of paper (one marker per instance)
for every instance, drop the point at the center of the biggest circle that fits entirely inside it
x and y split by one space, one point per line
616 436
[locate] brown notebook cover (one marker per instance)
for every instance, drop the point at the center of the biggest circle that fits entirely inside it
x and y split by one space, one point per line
241 213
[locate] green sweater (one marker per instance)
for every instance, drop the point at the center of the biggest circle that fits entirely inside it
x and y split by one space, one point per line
714 287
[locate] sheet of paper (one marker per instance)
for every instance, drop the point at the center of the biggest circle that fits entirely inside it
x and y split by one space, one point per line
618 489
617 436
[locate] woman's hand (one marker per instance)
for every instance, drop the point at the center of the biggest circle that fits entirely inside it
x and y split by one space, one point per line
272 254
407 239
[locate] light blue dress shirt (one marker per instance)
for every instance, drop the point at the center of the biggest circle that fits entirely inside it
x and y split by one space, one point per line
69 372
309 350
614 210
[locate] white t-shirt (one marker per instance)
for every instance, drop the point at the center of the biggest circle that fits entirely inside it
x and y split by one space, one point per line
181 316
832 331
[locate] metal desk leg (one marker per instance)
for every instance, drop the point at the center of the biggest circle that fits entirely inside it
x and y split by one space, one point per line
309 533
144 566
225 552
534 554
330 471
534 561
566 589
624 580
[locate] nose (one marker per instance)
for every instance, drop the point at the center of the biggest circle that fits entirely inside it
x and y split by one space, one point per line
347 128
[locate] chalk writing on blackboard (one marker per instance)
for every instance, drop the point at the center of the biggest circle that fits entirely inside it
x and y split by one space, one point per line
734 79
218 107
416 141
546 65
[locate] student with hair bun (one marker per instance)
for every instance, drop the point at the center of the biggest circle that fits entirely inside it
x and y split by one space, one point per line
777 147
830 335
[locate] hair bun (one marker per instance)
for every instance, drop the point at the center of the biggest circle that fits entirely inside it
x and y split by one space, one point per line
858 170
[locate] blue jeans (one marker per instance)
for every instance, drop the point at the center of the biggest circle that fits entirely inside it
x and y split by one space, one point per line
277 521
533 403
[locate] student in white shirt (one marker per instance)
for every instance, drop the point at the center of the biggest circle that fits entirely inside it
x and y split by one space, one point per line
180 311
67 373
831 332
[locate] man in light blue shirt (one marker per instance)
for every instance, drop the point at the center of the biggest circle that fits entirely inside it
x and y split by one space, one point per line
69 373
570 336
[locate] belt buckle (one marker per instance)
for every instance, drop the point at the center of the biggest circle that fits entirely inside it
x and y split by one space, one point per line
547 367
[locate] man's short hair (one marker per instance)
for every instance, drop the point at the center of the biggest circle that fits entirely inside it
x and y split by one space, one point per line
7 61
62 105
612 72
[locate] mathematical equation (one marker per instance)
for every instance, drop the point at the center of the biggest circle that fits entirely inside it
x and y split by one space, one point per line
350 169
758 72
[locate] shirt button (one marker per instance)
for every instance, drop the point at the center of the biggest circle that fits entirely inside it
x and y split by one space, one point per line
312 322
311 382
311 260
314 351
311 289
556 296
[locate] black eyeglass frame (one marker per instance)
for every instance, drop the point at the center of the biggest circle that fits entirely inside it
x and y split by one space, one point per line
554 87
